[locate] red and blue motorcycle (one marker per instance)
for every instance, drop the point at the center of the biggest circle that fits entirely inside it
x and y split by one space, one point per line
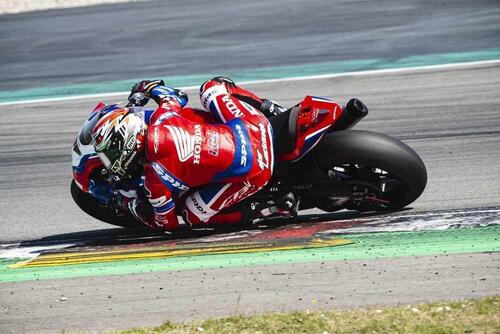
331 168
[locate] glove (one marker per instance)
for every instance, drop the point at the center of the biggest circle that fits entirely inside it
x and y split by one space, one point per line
145 87
157 90
137 99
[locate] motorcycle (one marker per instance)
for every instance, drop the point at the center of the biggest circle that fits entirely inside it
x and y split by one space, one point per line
340 169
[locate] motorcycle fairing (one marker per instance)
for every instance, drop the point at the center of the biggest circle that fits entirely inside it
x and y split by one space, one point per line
308 123
84 158
83 165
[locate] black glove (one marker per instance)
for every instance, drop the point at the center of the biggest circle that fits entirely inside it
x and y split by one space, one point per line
145 87
137 99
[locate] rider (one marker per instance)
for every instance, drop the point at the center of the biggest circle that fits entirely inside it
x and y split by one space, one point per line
227 160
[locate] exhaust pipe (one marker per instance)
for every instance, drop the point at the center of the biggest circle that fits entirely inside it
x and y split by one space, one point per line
352 113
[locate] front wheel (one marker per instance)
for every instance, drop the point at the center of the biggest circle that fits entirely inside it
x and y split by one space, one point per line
92 207
382 172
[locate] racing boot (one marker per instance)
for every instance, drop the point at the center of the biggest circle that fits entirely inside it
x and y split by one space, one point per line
285 207
270 108
288 205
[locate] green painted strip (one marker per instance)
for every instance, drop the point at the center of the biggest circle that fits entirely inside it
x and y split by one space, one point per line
264 73
366 246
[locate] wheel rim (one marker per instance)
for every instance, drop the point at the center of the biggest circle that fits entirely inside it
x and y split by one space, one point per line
373 188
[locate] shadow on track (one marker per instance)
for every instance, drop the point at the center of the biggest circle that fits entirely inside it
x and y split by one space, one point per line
129 236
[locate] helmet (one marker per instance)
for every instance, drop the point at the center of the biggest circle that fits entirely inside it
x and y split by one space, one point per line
118 138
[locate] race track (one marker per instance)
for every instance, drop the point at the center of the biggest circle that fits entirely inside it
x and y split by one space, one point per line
450 115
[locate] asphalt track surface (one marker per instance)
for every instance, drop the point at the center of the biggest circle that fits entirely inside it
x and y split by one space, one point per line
449 116
179 37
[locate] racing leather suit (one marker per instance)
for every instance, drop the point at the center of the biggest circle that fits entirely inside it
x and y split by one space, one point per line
225 161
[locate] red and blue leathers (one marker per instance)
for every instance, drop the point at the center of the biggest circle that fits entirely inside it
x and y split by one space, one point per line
224 161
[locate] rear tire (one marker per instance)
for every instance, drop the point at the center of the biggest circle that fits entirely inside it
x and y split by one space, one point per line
379 151
92 207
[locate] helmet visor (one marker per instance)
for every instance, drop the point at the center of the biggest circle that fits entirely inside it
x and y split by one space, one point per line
116 142
112 152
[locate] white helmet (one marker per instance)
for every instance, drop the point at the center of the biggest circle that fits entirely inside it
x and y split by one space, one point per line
118 139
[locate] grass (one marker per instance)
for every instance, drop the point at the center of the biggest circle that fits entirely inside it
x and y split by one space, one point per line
469 316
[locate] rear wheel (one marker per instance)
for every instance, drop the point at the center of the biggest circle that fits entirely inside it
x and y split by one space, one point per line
92 207
382 172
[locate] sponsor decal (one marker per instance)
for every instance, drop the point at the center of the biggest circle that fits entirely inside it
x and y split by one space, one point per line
231 106
186 145
207 96
197 205
244 153
131 144
169 179
315 114
213 143
318 112
184 142
197 144
127 154
263 158
156 139
157 202
129 160
246 190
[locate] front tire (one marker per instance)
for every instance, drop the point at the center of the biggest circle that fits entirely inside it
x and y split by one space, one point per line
368 160
92 207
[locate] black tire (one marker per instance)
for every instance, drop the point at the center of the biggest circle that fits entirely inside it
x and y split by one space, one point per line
90 205
379 151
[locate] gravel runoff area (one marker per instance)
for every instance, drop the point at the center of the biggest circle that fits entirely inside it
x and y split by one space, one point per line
19 6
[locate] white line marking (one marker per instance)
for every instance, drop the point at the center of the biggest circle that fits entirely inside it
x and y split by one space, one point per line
420 222
16 251
416 214
258 82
